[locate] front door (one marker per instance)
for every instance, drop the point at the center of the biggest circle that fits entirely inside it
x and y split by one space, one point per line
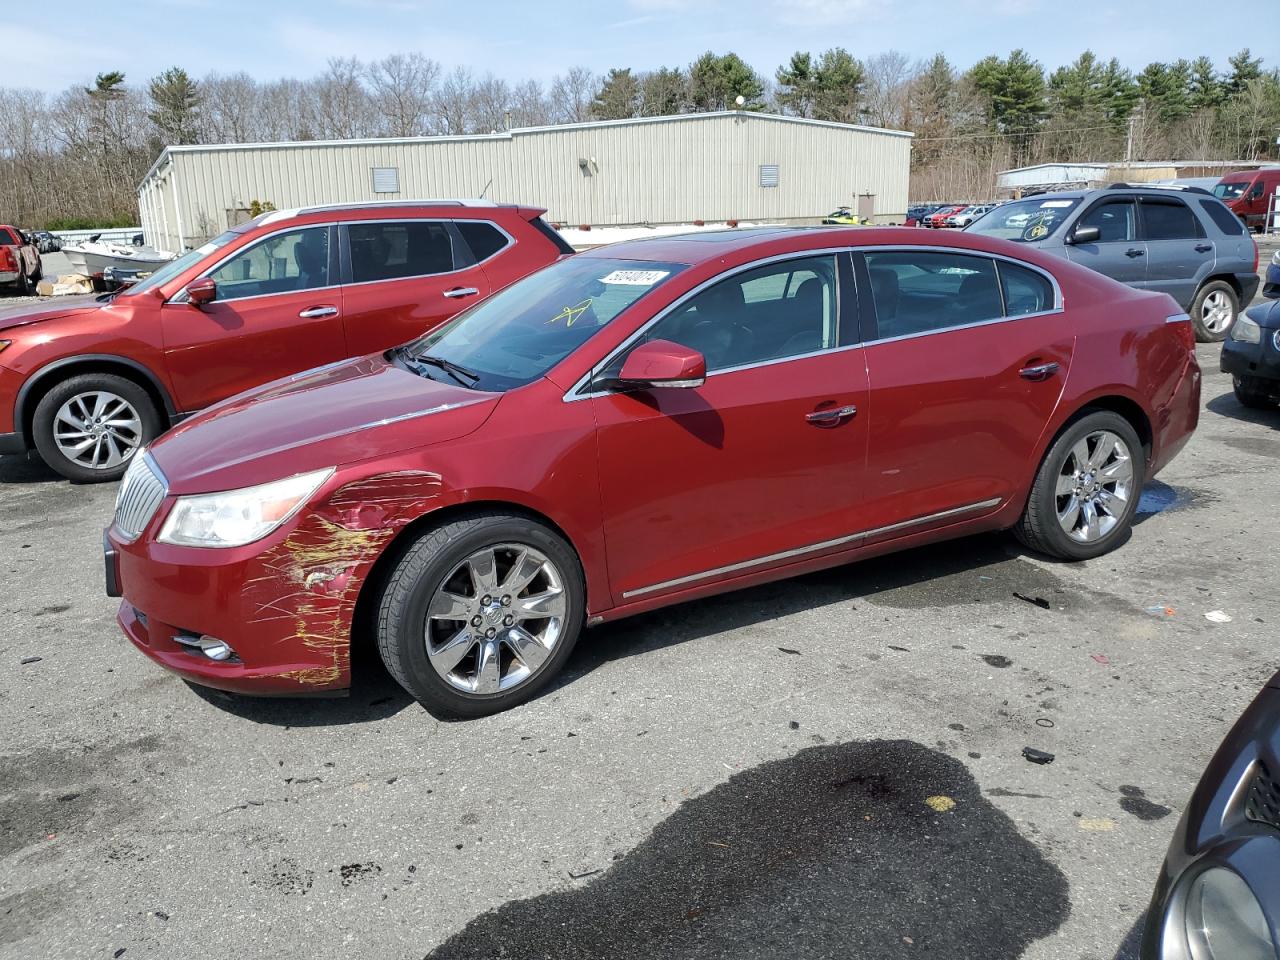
966 366
277 312
406 277
760 465
1117 253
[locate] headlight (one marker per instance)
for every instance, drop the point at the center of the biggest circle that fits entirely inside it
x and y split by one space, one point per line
1225 921
1245 330
1275 259
237 517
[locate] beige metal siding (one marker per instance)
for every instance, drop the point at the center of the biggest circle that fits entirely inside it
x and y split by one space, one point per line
671 171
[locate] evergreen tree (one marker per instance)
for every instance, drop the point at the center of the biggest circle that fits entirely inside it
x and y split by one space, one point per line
664 92
715 83
175 106
618 98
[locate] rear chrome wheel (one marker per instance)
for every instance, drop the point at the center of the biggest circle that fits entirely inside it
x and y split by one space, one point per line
480 613
1213 311
1094 486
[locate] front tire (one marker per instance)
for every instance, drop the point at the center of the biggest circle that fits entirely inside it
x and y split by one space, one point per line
1214 311
90 426
1247 392
1086 491
479 614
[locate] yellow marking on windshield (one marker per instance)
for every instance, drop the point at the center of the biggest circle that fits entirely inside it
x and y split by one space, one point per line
570 314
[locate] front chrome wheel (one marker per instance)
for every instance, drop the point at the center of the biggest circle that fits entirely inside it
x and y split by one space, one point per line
97 429
1094 486
1217 312
496 618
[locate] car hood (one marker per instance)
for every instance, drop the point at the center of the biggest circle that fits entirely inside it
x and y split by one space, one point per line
1265 314
48 310
325 417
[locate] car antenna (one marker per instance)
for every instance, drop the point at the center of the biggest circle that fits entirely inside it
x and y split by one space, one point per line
486 188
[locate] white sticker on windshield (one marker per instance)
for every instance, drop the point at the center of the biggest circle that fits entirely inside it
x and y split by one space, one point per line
1057 203
635 278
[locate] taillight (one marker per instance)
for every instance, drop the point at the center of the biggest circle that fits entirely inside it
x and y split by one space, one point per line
7 260
1185 333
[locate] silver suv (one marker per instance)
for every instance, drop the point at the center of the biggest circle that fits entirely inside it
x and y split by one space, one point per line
1185 243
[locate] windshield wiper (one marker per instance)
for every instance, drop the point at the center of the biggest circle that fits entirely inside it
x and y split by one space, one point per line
457 371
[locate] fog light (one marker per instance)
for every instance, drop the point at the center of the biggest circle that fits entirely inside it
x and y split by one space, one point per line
211 647
1225 921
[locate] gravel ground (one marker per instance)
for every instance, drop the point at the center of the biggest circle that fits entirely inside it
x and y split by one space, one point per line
829 766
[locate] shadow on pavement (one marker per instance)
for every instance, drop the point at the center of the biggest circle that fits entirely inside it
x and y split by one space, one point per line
24 468
1226 405
1131 947
882 849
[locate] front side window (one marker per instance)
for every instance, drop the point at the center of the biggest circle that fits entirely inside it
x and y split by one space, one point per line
916 291
397 249
1116 220
1169 220
773 312
285 262
1026 221
518 334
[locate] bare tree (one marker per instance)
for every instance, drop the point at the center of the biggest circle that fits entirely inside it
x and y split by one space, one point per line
884 96
529 105
402 87
343 107
571 95
490 105
452 102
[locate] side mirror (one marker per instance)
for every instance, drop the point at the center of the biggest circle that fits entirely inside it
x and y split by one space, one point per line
1086 235
661 363
202 291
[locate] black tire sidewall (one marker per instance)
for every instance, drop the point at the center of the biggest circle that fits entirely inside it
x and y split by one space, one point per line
47 408
1203 333
1049 531
406 613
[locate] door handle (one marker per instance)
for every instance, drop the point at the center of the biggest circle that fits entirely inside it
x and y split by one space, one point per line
1133 252
832 416
457 292
1041 371
1203 247
323 311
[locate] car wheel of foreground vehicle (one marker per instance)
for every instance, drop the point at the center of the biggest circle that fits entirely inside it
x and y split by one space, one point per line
1213 311
1086 490
87 428
480 613
1247 392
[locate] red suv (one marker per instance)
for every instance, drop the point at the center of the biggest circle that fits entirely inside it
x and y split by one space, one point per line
87 381
635 426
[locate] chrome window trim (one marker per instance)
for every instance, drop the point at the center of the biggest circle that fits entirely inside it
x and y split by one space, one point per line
181 295
572 395
511 241
1059 306
810 548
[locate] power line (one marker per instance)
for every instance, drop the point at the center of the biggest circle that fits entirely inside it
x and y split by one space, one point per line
1029 133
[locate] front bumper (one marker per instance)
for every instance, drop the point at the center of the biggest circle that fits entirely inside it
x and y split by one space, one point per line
1222 827
1261 360
1271 286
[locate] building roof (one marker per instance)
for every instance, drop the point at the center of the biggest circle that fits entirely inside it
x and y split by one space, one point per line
512 133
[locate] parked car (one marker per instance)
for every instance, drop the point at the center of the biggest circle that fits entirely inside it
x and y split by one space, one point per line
1251 354
88 381
19 261
936 219
1248 194
969 214
46 242
1185 243
638 425
1218 893
917 212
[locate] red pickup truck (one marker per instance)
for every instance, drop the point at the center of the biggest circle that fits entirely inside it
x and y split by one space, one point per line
19 260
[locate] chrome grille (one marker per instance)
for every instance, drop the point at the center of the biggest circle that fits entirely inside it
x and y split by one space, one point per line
141 492
1263 802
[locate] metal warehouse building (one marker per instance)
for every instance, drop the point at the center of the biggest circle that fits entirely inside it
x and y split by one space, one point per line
704 166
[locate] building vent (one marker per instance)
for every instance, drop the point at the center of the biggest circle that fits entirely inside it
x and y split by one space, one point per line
386 179
768 174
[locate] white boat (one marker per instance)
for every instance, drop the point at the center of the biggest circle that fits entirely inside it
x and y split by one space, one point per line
91 258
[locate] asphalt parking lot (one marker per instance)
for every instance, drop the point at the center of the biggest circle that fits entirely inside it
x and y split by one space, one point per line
829 766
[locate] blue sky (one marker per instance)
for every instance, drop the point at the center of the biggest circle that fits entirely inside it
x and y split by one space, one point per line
273 38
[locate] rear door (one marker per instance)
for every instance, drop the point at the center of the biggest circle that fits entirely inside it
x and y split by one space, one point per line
966 358
404 277
1118 253
1179 254
278 311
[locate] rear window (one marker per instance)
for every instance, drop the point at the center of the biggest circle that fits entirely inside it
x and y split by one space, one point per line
1227 221
8 239
482 237
1169 220
1025 291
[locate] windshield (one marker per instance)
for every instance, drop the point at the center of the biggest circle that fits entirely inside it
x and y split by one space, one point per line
518 334
1230 191
1025 220
175 267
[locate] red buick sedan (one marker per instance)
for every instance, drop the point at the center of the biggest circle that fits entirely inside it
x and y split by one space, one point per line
636 426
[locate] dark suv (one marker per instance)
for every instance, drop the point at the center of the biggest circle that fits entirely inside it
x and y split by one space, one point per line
1185 243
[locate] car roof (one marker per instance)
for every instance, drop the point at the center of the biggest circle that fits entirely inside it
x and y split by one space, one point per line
355 209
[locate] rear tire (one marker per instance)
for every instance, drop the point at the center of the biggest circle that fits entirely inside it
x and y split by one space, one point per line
465 636
1247 392
1094 472
23 285
92 452
1214 310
